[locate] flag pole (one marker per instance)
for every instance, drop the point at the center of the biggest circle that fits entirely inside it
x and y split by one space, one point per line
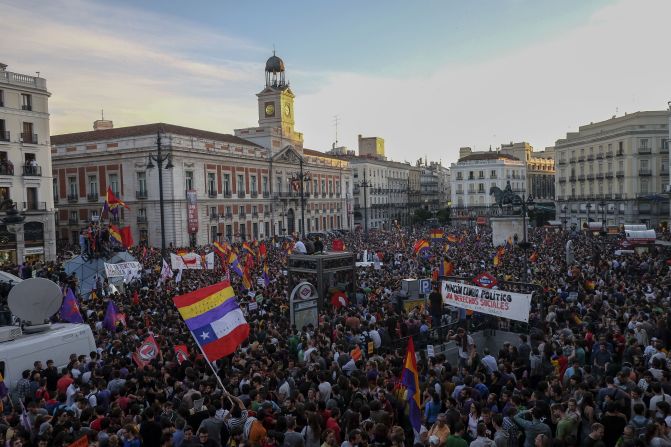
221 384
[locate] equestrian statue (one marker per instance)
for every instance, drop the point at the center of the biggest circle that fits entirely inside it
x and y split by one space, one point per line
505 196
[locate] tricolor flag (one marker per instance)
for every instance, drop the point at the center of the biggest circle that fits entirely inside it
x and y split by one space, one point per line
420 246
533 257
497 260
234 264
246 279
112 202
115 233
265 275
445 268
112 317
69 309
452 238
214 318
220 249
436 233
410 380
247 248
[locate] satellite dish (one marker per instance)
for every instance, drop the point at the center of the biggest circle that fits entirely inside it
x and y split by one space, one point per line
34 301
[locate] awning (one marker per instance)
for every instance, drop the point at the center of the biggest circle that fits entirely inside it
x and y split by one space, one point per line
641 236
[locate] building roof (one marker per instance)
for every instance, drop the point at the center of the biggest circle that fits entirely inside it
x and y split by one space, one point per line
488 156
143 130
314 153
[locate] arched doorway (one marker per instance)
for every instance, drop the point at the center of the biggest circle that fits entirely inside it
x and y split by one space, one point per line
291 221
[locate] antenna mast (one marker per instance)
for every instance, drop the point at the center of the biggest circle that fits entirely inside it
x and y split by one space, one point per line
336 122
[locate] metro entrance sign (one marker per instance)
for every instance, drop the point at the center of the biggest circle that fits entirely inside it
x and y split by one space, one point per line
485 280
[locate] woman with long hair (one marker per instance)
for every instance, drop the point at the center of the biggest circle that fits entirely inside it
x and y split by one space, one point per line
312 431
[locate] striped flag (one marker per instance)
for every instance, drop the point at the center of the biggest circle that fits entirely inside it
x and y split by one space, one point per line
265 275
214 318
410 380
420 246
436 233
445 268
234 264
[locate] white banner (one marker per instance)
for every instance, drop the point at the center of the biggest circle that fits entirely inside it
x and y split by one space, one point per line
514 306
125 269
192 261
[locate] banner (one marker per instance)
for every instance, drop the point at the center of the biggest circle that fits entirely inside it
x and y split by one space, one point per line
125 269
192 261
514 306
192 211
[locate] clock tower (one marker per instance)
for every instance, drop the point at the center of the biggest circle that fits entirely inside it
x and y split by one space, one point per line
276 111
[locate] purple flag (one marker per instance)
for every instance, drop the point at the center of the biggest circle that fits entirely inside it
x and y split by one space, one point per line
112 316
70 309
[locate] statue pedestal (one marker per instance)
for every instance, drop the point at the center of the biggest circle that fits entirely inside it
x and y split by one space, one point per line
506 227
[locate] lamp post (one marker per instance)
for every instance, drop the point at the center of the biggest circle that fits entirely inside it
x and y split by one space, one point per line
159 158
301 177
365 185
524 206
603 206
564 219
588 207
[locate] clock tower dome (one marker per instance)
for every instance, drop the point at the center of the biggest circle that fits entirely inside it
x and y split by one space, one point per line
276 111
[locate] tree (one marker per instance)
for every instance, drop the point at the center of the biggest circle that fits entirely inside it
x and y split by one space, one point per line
421 215
444 216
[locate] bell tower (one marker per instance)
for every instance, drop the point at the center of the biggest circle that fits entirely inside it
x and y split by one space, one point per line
276 101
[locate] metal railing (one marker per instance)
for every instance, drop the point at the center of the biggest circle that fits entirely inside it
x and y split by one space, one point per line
72 221
254 194
241 194
29 138
92 197
141 194
73 197
645 150
609 154
32 171
212 193
645 172
6 169
142 219
619 174
34 206
4 135
266 194
28 107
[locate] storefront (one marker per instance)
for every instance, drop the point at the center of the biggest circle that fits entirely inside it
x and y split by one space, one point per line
7 246
33 234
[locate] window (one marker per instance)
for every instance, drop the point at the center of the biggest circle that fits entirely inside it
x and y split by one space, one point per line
27 135
254 212
279 184
213 233
643 143
211 184
644 187
26 102
142 212
4 135
72 186
255 230
323 186
227 185
114 183
481 174
243 232
492 174
142 183
54 189
73 216
645 164
264 184
93 186
213 211
229 232
252 181
31 197
330 187
241 183
459 176
481 187
93 215
266 229
2 98
188 180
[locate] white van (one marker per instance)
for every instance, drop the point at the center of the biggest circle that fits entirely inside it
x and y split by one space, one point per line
56 344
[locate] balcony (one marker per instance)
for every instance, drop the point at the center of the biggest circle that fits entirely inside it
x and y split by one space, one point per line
581 158
227 194
581 178
644 150
323 195
562 179
620 153
142 219
73 221
572 160
572 178
599 176
459 192
214 216
599 156
645 172
211 193
665 148
617 196
590 157
92 197
254 194
34 206
32 171
255 215
590 177
28 138
286 195
6 169
559 162
242 215
73 198
619 174
664 172
337 194
141 194
609 154
228 216
266 194
609 175
28 107
4 135
241 194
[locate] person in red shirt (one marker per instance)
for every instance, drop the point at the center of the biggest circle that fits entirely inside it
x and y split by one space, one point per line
332 424
64 382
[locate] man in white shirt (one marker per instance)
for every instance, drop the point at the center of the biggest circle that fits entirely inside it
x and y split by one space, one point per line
299 247
489 361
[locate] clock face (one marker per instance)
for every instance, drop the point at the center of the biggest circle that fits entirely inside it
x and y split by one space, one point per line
270 109
287 110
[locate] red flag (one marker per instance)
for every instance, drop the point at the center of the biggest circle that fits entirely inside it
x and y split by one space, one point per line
146 352
136 298
262 250
338 245
339 299
182 353
533 257
126 237
356 353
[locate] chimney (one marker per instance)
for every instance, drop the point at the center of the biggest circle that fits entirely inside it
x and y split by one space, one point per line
103 124
3 67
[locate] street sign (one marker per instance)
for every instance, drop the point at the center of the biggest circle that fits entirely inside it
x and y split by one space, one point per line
425 286
485 280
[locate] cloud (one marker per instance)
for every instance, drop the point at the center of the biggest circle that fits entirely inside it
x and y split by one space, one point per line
536 93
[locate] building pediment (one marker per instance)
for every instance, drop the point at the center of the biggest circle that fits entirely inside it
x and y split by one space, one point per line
289 154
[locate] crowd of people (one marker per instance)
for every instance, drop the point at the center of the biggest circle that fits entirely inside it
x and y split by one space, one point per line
590 369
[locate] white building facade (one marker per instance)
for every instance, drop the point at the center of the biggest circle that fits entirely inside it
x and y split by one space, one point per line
25 167
615 171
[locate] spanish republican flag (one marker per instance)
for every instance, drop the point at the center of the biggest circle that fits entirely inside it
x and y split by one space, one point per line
436 233
533 257
446 268
220 249
497 260
410 380
214 318
115 233
420 246
112 202
452 238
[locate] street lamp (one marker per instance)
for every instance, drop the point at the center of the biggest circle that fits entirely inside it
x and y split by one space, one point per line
603 206
589 207
524 206
159 158
564 220
301 177
365 184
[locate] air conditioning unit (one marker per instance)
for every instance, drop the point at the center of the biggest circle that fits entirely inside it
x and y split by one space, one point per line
9 333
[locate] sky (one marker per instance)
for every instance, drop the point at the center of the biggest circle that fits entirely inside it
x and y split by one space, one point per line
428 76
